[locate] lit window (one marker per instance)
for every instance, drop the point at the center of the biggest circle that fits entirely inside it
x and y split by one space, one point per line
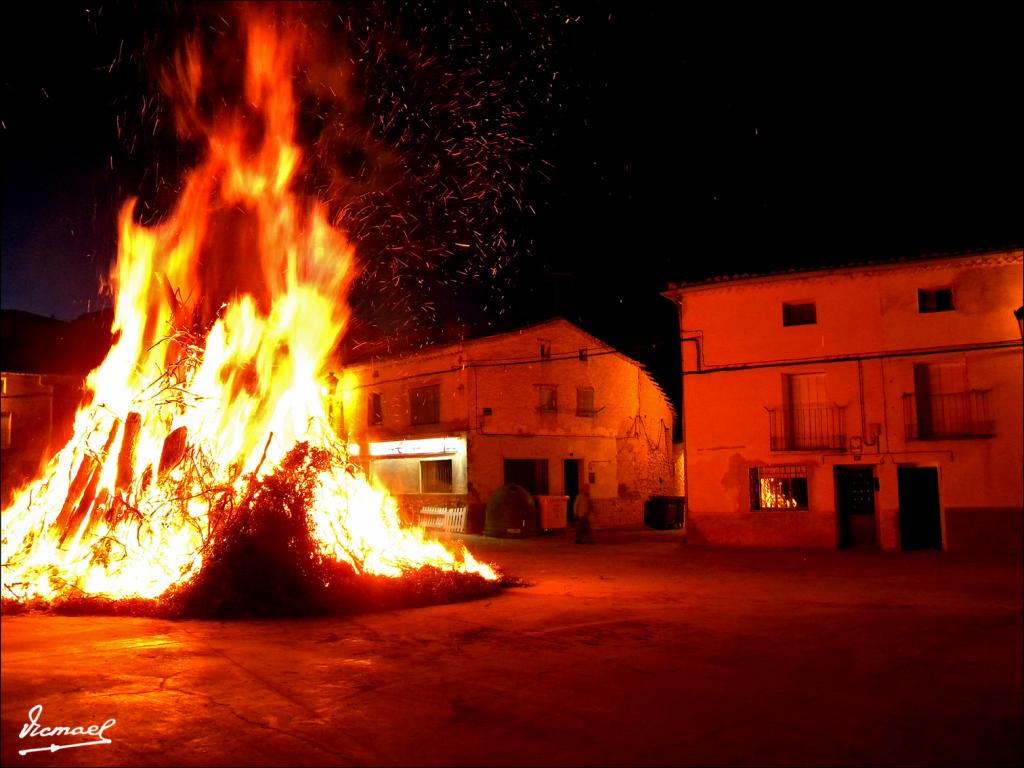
425 404
799 313
436 476
548 398
934 300
585 401
375 413
779 487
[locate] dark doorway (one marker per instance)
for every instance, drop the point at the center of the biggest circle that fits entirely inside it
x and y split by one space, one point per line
532 474
920 524
855 500
571 479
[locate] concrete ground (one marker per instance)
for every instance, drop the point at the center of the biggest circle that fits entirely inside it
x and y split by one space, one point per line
639 649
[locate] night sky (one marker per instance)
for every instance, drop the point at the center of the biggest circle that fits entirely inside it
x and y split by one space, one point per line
605 149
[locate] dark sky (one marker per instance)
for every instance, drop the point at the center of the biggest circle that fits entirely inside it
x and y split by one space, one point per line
665 144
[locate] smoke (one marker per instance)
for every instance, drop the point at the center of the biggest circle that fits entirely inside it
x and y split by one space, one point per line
419 124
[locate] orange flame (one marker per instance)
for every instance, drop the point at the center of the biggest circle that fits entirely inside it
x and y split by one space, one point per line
126 508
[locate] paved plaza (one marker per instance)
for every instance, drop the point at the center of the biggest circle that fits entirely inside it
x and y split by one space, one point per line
638 650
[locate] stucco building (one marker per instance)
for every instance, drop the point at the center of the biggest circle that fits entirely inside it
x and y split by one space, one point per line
549 407
874 404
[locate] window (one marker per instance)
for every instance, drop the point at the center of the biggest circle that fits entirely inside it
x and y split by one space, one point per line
436 476
942 405
583 354
799 313
585 401
778 487
545 350
375 410
5 430
548 398
934 300
425 404
806 421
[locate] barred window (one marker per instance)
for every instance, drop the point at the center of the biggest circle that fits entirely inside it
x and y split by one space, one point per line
436 476
778 487
425 404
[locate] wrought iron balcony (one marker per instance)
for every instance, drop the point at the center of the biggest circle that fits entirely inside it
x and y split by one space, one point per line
807 429
947 416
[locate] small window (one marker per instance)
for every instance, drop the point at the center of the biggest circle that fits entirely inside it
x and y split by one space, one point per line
583 354
585 401
488 411
425 404
5 430
548 398
934 300
799 313
436 476
375 414
545 350
782 487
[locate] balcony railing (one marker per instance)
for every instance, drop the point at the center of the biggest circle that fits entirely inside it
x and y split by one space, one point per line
947 416
807 429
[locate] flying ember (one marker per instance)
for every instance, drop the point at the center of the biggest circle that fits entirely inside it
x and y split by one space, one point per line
226 315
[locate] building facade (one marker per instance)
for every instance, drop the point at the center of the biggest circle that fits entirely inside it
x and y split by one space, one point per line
548 407
876 404
36 417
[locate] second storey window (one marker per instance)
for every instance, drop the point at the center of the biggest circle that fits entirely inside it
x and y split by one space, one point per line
375 410
425 404
548 398
585 401
934 300
799 313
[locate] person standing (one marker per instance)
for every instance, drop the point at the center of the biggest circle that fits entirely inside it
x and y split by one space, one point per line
582 508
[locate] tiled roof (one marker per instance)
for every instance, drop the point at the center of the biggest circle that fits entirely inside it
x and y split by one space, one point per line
896 260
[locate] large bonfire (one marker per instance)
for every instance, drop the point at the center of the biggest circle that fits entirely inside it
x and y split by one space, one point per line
206 424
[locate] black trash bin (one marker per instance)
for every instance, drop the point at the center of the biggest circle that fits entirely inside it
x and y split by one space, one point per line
664 512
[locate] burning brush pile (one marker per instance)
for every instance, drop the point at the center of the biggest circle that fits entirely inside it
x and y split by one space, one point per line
204 477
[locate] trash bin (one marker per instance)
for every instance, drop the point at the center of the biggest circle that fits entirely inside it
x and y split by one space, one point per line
510 513
553 512
664 512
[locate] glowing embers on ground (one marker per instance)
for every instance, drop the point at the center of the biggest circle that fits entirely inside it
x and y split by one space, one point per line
210 398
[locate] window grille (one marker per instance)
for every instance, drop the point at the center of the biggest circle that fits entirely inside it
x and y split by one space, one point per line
780 487
436 476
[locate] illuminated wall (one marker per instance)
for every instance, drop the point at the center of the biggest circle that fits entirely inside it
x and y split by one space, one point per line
549 393
901 365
